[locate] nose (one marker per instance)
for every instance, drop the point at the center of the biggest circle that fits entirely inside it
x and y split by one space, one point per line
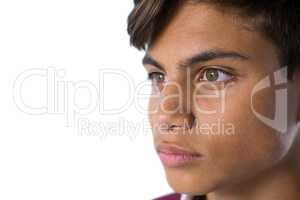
175 111
176 122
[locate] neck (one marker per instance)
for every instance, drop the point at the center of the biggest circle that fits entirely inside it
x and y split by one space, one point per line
280 182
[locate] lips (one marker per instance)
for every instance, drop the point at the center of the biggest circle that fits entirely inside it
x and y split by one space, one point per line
176 156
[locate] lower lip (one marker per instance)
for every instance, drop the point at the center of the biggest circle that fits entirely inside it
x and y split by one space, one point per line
177 160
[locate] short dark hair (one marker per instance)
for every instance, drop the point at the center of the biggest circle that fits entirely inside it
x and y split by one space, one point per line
278 21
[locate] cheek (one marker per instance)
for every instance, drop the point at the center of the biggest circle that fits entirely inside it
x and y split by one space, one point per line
208 101
153 114
252 147
243 154
153 106
236 158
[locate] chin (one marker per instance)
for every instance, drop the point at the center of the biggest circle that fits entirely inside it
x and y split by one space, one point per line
191 183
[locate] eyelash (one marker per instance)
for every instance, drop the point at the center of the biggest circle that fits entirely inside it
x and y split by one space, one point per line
201 73
226 72
151 75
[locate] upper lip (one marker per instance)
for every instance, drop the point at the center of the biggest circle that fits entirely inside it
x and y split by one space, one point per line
175 149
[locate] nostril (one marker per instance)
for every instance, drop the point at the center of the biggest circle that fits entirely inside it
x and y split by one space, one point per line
176 122
173 127
168 127
179 127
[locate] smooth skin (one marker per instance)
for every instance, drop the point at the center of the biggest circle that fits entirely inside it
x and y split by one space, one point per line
256 161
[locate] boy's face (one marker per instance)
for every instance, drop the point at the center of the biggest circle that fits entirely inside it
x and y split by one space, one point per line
203 105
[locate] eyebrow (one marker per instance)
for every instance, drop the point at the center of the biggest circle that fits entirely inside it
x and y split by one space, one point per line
148 60
199 58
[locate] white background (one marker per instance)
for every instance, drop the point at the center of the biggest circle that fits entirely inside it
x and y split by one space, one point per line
41 157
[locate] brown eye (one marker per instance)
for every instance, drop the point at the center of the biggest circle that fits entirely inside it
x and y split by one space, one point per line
156 77
215 75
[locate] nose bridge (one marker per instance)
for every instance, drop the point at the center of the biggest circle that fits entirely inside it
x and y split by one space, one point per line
171 98
175 104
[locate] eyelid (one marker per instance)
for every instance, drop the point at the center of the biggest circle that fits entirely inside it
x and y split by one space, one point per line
224 69
153 68
227 70
155 72
150 75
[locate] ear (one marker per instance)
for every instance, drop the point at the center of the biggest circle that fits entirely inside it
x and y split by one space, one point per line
296 83
298 107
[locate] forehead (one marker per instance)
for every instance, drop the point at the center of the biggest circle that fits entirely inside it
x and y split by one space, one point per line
197 27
